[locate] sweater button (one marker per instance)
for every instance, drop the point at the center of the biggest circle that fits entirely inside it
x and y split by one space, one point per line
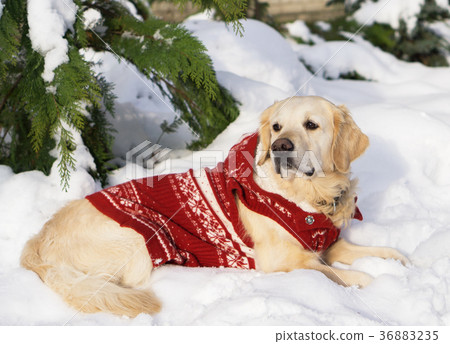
309 219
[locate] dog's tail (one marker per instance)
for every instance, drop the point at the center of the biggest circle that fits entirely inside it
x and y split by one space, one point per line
88 293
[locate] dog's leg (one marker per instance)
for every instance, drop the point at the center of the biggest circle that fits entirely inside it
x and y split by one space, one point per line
275 250
343 277
282 255
288 257
345 252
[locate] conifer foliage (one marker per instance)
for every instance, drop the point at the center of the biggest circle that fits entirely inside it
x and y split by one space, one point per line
419 44
40 114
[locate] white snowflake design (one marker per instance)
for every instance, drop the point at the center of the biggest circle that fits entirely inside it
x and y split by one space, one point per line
217 237
114 190
196 204
237 261
126 203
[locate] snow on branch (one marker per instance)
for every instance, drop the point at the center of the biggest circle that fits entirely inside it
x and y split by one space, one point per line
48 21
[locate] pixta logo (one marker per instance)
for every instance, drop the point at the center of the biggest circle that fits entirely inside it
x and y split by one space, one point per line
142 161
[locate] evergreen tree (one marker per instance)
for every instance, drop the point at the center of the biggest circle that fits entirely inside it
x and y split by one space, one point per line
40 114
421 44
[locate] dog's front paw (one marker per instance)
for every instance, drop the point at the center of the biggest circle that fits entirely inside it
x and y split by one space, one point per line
348 278
392 253
364 280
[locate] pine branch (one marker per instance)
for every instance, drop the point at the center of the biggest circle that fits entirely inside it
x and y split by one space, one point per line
34 114
10 92
228 10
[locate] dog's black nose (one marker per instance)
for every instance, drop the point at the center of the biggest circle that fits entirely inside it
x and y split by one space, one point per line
311 172
282 145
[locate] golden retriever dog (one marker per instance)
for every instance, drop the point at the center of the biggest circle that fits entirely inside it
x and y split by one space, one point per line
97 265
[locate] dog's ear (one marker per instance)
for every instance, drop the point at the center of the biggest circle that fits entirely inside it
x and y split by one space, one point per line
349 142
264 133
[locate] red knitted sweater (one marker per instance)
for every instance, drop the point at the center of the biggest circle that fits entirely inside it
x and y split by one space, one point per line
193 220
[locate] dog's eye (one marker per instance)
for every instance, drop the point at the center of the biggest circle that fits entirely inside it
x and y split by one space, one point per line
309 125
276 127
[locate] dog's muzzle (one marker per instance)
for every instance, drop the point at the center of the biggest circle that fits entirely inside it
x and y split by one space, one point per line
283 155
286 158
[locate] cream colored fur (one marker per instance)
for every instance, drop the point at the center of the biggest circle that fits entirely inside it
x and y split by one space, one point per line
96 265
90 260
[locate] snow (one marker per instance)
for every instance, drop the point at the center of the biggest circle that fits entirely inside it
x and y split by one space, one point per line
273 63
299 29
442 29
404 191
389 12
92 17
140 106
324 26
49 20
130 7
392 12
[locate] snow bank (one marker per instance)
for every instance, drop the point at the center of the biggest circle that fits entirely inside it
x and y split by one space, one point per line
262 55
140 106
335 58
390 12
49 20
299 29
404 195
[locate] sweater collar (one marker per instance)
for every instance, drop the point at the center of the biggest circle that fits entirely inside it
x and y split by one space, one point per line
239 167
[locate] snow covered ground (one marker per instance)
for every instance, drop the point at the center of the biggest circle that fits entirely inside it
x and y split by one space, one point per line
404 192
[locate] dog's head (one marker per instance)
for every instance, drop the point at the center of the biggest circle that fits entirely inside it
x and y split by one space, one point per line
309 137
